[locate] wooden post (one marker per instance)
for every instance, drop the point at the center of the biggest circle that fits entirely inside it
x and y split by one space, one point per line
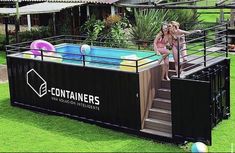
17 22
232 18
221 15
88 12
6 30
29 22
54 24
79 19
112 10
73 22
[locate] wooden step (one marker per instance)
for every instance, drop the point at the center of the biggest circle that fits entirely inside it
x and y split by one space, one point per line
157 133
165 84
164 93
160 114
171 73
162 103
158 125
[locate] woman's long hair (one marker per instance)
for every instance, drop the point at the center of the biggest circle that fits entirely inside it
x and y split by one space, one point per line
162 31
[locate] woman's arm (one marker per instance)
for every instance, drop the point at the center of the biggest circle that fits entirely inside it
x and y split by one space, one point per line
155 43
183 32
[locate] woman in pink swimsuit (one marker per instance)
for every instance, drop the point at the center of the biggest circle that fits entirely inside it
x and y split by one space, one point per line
160 47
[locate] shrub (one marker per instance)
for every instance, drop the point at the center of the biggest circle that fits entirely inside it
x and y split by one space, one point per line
147 24
188 19
34 34
64 27
115 36
112 19
92 28
2 42
110 32
41 32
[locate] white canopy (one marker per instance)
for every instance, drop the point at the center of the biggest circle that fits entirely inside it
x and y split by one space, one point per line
69 1
39 8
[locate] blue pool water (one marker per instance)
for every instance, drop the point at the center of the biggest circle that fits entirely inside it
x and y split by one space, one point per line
111 57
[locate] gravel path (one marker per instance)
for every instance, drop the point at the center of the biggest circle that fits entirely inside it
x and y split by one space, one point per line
3 74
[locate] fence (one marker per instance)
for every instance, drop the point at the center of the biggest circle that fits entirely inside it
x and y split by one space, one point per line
203 47
212 43
71 39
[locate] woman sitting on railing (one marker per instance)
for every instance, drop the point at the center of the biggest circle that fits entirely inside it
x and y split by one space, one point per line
160 47
178 34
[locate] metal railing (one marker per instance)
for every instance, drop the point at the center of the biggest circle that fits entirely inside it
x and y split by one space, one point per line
210 44
198 47
82 59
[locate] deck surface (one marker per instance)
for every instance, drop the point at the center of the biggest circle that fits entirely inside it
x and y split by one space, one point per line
210 61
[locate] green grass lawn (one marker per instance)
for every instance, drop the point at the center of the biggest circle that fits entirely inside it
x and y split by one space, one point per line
207 17
24 130
2 57
2 54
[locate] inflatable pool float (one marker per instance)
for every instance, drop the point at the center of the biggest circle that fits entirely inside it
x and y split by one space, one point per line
126 65
38 45
48 51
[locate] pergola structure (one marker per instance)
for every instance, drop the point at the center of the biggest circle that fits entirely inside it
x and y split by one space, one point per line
185 4
154 4
39 8
45 6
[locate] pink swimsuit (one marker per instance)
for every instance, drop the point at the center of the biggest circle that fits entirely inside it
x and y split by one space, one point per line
161 46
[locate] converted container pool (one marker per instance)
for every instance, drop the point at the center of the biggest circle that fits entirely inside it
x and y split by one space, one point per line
111 87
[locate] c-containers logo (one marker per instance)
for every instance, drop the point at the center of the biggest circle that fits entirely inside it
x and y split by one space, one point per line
36 83
39 86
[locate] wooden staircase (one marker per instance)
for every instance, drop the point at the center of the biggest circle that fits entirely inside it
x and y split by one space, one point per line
158 121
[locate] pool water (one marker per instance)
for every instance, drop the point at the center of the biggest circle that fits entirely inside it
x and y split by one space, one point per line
102 57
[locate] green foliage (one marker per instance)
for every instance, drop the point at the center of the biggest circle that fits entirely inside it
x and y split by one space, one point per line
111 31
2 57
2 42
92 28
116 36
147 24
34 34
188 19
64 26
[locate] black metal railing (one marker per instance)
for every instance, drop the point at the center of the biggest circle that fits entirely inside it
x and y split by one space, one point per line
198 46
201 47
135 64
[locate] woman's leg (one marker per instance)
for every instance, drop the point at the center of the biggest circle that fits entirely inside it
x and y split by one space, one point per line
165 53
165 67
163 57
163 71
166 64
175 56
